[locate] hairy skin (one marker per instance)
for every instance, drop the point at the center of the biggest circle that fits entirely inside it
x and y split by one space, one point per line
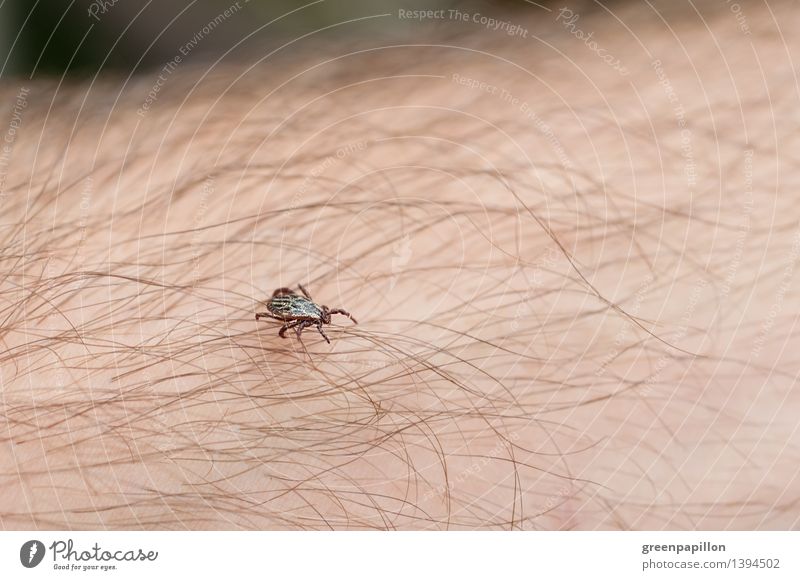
576 293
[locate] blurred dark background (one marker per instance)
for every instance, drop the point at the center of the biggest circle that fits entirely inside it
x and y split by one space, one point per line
82 37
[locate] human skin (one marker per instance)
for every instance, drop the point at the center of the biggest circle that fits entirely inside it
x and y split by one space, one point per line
576 284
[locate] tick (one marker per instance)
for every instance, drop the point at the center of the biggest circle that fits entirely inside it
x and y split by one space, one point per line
299 312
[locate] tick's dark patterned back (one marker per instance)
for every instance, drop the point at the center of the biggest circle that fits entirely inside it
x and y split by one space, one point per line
294 306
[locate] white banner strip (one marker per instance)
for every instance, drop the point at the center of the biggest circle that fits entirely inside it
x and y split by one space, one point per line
384 555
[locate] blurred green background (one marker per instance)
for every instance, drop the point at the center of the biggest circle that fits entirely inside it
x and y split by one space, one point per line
81 37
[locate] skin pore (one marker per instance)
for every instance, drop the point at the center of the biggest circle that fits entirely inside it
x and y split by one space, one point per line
575 283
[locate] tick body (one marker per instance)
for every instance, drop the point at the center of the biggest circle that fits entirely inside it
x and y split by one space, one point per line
299 312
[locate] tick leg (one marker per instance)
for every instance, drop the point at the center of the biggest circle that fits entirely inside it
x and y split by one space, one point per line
282 292
345 312
322 332
287 326
303 325
304 291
